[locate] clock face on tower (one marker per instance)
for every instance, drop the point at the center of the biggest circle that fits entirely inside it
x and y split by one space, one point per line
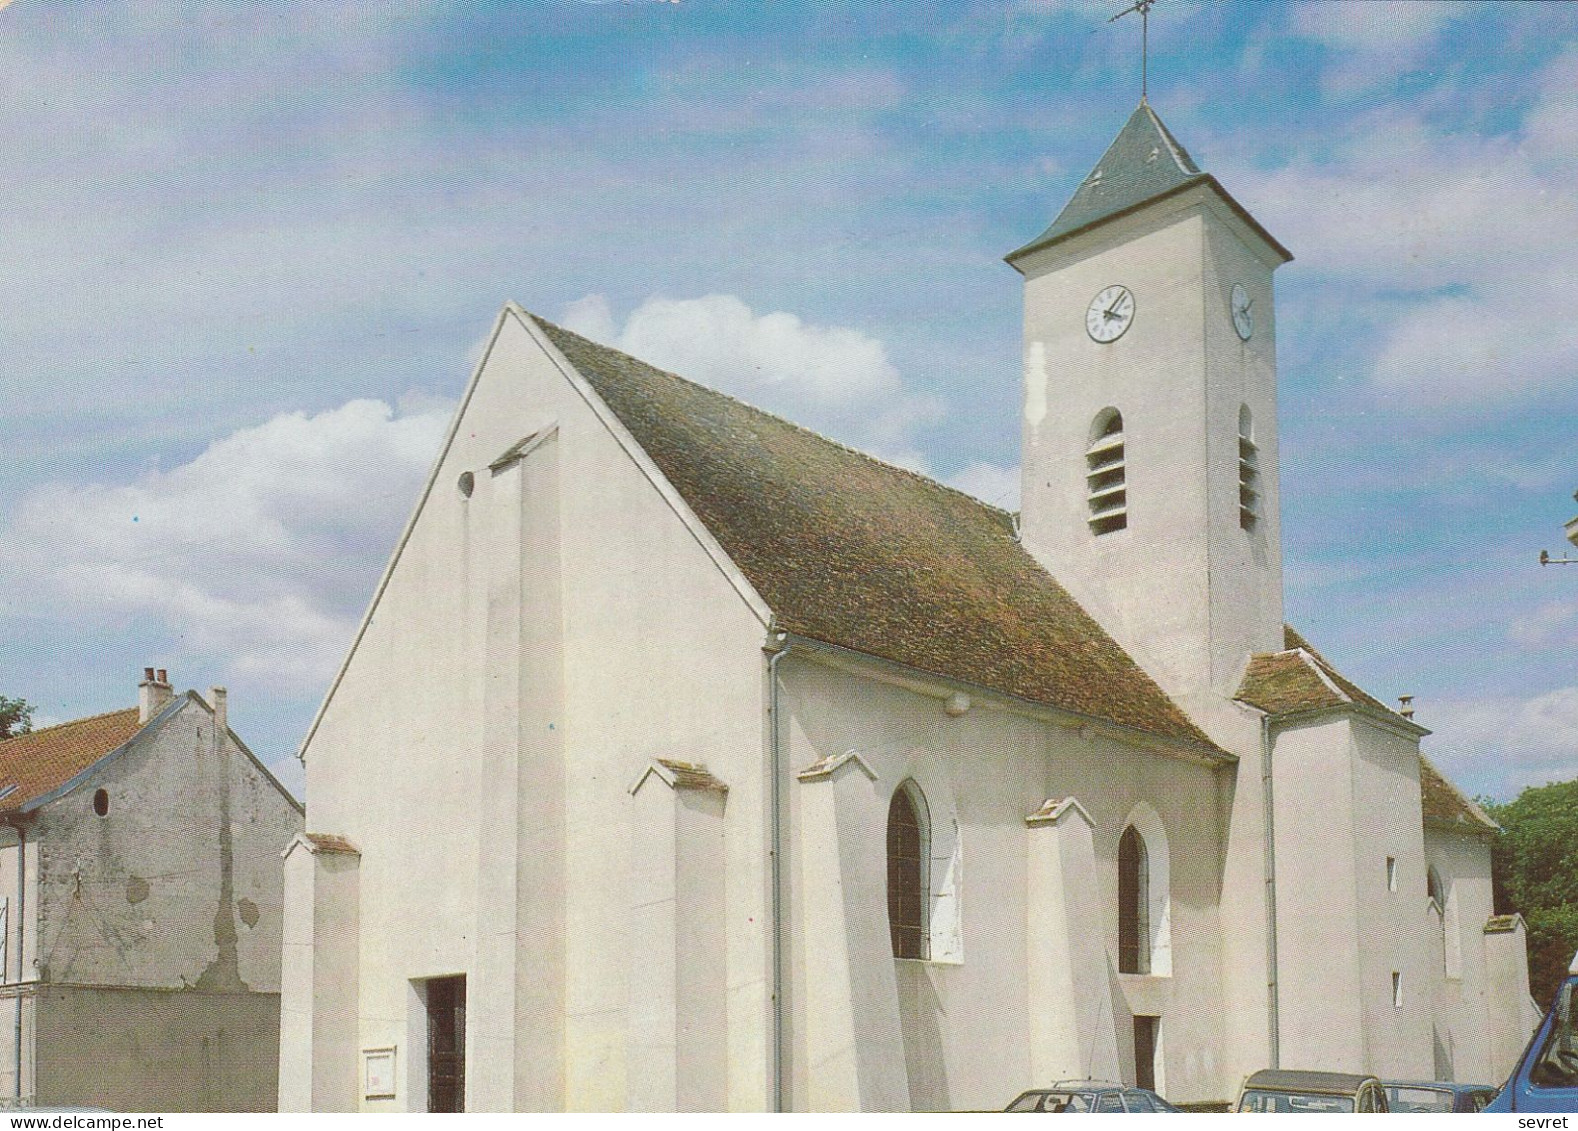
1243 315
1110 314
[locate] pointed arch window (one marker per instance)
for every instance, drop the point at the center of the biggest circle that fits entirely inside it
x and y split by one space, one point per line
909 844
1106 474
1248 471
1134 897
1443 893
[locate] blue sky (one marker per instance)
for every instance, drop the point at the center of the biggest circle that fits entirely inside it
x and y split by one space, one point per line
249 251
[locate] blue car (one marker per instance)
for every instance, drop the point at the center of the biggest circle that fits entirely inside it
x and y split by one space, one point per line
1436 1096
1546 1078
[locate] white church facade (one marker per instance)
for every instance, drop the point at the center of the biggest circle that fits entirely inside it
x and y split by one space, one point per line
686 760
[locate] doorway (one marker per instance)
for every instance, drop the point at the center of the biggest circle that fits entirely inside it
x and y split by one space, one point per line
1145 1051
446 1044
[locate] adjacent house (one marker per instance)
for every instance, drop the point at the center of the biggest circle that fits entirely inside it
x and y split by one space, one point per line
687 760
140 896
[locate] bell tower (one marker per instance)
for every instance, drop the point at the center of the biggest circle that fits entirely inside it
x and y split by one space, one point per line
1150 485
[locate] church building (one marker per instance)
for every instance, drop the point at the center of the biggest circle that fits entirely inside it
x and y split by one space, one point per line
687 760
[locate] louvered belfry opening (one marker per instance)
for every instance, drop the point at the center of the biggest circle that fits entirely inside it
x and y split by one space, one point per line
1105 486
1134 928
906 875
1248 472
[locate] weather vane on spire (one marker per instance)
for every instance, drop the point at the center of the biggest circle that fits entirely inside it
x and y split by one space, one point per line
1143 7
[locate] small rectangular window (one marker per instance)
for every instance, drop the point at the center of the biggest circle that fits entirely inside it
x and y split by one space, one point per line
1397 990
1391 873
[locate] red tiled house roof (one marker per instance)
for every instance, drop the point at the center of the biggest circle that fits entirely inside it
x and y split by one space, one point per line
40 762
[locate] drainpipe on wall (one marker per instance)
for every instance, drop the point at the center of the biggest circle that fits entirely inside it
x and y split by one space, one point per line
1273 1011
777 647
21 936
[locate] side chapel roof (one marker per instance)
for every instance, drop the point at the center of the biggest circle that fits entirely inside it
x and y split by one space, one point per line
1301 679
856 553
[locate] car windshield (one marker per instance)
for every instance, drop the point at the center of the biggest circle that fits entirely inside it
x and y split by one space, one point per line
1557 1066
1419 1099
1054 1101
1289 1102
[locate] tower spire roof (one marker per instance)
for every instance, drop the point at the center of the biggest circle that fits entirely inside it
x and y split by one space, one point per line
1143 163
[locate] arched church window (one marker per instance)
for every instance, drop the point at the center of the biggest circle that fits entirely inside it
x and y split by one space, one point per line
908 851
1105 486
1248 471
1443 893
1134 895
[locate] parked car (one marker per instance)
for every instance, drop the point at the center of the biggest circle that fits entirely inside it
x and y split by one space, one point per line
1546 1078
1437 1096
1090 1095
1294 1090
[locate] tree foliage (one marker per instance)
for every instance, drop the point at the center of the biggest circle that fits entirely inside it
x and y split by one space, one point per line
1535 872
16 717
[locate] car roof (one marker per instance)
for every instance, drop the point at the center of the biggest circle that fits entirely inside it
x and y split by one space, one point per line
1439 1085
1300 1080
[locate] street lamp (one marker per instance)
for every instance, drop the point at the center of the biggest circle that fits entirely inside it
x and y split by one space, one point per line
1572 536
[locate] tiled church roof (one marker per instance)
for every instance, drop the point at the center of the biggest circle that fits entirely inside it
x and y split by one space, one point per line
1445 806
43 760
853 552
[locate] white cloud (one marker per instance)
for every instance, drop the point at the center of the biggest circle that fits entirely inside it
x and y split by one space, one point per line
998 486
260 552
1442 245
1554 622
1373 27
834 379
1374 42
1523 742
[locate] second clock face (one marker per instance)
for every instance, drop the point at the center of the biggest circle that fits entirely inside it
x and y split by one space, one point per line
1242 307
1110 314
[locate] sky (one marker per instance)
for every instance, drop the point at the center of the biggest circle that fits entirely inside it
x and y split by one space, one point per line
250 249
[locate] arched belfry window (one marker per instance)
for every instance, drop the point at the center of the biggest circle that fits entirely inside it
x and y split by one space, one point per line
908 884
1134 898
1248 471
1105 486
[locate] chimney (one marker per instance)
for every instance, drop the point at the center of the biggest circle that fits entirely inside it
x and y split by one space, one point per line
153 693
1405 706
216 696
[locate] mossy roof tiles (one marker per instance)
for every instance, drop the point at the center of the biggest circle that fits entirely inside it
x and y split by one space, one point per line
1446 806
853 552
1299 679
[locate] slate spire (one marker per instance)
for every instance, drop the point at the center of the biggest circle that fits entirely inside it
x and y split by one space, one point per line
1143 162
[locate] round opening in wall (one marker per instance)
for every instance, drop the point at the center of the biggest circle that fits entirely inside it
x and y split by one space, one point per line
467 484
101 802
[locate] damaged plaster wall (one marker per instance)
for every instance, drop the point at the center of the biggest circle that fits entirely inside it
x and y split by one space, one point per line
178 883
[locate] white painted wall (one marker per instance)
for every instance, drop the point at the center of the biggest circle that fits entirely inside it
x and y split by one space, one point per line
993 768
658 655
1185 589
